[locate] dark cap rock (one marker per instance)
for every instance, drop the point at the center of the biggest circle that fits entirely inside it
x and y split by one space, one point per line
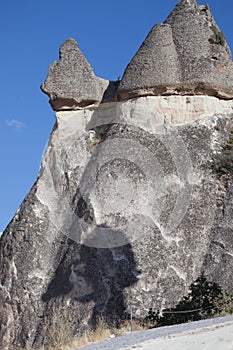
188 54
71 82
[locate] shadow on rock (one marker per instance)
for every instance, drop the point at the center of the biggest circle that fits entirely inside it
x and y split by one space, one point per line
97 276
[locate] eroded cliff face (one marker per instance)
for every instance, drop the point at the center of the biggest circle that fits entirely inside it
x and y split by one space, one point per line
126 209
129 207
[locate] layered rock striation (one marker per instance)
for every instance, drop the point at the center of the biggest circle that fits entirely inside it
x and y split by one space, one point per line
133 200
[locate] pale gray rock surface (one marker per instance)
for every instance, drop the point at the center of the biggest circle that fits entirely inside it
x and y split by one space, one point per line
124 212
71 82
188 54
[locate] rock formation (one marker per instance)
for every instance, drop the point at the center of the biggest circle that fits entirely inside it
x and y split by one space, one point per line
71 82
134 197
187 55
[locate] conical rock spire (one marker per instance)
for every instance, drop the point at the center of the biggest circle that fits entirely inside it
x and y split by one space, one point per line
71 82
193 57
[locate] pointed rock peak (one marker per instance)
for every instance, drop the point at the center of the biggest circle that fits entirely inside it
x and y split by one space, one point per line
69 46
71 82
69 43
182 7
188 3
154 68
188 54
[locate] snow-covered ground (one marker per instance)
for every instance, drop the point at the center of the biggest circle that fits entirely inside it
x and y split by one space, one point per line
214 338
211 334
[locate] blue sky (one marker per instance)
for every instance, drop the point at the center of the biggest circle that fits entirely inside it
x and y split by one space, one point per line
108 33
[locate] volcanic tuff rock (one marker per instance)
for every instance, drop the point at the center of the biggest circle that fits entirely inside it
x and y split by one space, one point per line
134 200
71 82
188 54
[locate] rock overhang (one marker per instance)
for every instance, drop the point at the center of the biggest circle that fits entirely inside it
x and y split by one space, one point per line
161 111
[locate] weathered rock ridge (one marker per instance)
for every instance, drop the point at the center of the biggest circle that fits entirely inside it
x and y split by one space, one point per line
129 206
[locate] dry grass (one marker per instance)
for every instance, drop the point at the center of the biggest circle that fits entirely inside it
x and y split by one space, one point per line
104 332
58 330
101 332
60 337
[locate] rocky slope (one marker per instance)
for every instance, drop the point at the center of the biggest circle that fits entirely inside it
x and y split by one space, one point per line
131 203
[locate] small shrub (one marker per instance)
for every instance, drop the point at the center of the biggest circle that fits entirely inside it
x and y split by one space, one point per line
197 305
222 163
218 35
224 304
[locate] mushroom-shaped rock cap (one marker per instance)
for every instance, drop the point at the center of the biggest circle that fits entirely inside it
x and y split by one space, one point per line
188 54
71 82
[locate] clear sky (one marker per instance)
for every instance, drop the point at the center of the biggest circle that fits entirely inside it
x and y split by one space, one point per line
108 33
